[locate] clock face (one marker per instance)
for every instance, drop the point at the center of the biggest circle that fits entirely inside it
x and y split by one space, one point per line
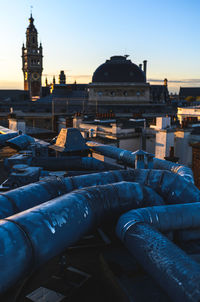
35 76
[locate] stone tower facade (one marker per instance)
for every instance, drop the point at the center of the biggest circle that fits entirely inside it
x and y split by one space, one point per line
32 61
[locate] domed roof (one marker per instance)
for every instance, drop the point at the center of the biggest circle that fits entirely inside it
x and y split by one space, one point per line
118 69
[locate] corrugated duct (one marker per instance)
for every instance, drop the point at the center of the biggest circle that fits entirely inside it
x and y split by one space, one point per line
172 187
128 158
176 273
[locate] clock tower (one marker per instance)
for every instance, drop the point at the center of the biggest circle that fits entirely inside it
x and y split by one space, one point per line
32 61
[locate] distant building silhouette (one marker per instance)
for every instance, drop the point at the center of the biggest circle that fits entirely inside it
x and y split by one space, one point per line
186 92
159 93
62 77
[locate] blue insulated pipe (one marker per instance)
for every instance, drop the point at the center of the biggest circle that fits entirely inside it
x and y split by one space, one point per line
128 158
31 238
172 268
29 196
181 170
125 156
69 163
172 187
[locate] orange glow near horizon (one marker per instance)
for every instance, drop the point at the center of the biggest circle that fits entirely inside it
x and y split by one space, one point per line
84 79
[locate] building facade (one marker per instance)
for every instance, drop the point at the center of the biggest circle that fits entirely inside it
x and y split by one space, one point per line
119 82
32 61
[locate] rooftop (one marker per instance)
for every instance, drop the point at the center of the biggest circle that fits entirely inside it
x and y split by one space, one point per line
85 248
118 69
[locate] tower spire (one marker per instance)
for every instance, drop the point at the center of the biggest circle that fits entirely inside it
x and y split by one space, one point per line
32 61
31 17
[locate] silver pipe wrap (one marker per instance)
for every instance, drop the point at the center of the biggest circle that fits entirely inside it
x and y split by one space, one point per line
128 158
31 238
172 187
176 273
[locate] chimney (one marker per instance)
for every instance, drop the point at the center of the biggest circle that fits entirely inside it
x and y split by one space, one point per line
145 67
149 160
140 66
165 82
62 77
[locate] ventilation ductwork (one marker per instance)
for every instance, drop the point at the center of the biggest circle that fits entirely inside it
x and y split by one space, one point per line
176 273
31 238
172 187
128 158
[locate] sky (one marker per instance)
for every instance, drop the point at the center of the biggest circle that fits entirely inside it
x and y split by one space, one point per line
78 36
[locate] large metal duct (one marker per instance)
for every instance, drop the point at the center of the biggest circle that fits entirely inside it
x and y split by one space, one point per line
113 152
68 163
172 187
29 196
31 238
128 158
183 171
176 273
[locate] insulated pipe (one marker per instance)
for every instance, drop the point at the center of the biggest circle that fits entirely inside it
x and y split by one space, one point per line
164 218
184 218
172 187
31 238
172 268
128 158
5 137
113 152
67 163
176 273
23 198
78 173
183 171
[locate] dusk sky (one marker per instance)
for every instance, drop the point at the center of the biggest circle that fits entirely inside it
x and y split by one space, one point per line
78 36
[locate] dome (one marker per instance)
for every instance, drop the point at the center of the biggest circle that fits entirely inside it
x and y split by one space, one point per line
118 69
